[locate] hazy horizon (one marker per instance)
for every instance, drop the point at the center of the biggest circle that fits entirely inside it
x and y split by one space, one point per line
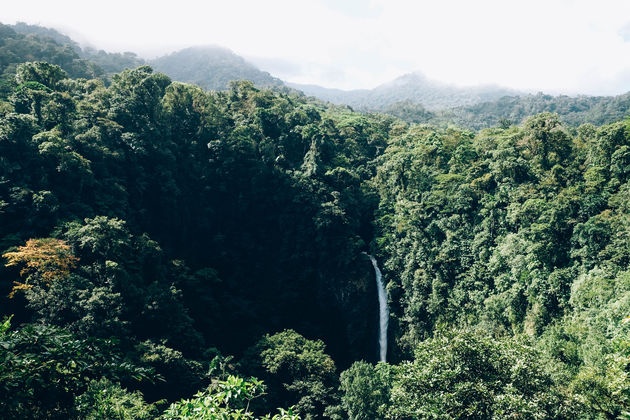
569 47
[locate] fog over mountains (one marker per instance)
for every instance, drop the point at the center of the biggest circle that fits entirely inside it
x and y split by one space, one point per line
412 97
212 68
415 87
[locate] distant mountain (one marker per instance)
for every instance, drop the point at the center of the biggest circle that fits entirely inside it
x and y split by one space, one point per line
18 47
212 68
513 110
414 87
42 32
573 110
412 97
355 98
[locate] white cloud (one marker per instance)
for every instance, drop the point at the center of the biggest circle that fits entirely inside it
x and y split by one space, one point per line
560 46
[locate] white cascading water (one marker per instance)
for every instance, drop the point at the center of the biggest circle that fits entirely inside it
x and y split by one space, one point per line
383 310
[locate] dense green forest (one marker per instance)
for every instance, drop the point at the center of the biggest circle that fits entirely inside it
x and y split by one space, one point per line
16 48
170 252
106 62
21 42
509 110
416 99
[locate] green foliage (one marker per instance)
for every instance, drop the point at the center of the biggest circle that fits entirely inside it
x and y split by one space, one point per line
572 110
99 63
6 324
410 112
40 72
297 371
111 63
18 46
229 400
104 400
365 390
44 369
469 375
180 375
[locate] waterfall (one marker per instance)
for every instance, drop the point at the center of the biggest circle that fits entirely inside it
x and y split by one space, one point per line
383 310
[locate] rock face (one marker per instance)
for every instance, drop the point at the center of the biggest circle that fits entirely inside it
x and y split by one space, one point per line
350 314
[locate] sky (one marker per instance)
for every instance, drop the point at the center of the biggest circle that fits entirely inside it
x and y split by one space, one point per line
555 46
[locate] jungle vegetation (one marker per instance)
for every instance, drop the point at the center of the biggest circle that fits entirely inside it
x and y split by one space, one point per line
170 252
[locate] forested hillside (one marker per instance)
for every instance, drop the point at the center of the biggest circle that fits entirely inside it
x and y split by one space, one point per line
212 68
17 48
172 252
199 220
573 110
414 87
513 110
159 240
415 99
107 62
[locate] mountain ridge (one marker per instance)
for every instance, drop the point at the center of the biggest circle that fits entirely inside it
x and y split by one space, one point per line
412 97
414 86
212 67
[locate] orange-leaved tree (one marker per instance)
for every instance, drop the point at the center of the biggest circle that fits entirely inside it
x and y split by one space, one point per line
44 260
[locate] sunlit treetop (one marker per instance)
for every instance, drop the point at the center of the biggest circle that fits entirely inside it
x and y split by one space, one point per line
42 260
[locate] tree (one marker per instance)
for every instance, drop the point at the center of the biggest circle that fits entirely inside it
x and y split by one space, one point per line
545 140
365 390
44 260
297 371
42 72
469 375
